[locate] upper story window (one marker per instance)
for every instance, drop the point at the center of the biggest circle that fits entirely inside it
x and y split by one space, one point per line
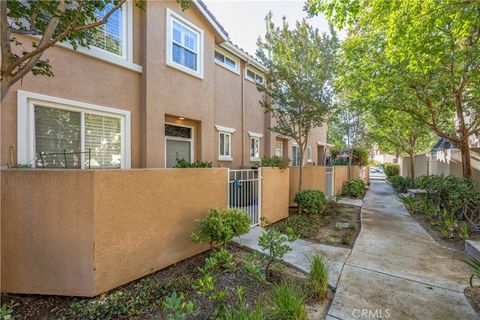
253 76
111 36
184 45
226 60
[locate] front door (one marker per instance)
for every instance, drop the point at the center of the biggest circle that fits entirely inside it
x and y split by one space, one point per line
177 150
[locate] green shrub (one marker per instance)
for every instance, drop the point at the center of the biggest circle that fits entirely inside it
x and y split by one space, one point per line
182 163
360 156
220 226
401 184
391 169
274 162
318 277
177 308
311 201
354 188
287 302
273 244
6 311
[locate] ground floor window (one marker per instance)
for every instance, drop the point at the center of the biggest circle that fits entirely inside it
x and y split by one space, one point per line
295 156
225 146
60 133
254 149
309 154
279 148
178 144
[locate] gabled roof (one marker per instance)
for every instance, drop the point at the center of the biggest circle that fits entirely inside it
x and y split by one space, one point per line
227 44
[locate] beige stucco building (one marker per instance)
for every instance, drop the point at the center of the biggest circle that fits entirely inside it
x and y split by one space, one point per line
155 86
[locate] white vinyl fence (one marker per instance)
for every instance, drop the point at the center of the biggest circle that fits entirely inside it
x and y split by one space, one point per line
330 181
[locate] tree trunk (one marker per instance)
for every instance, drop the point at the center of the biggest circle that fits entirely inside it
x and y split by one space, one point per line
412 164
5 87
301 169
466 160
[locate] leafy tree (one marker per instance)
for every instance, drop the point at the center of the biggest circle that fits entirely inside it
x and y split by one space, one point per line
300 64
424 52
52 21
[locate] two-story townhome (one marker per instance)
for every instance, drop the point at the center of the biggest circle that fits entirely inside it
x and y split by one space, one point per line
154 86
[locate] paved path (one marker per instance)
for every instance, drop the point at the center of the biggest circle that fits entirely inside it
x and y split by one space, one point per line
302 252
397 271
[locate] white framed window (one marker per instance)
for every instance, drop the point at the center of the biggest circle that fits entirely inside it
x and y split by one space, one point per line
184 45
227 60
254 149
253 76
60 133
225 143
295 155
255 145
309 154
279 148
114 41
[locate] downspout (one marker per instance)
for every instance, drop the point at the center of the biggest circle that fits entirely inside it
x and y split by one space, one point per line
242 77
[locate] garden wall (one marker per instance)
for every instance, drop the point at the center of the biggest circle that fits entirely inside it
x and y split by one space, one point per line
341 176
313 178
81 233
275 194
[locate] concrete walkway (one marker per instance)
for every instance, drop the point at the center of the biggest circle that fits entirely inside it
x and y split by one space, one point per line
302 252
397 271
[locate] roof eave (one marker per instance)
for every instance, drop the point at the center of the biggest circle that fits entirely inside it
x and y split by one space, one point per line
214 23
233 49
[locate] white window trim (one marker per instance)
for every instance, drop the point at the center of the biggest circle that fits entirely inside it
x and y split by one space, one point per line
281 148
255 135
171 16
309 154
126 60
256 72
191 140
225 129
230 56
26 153
223 157
256 138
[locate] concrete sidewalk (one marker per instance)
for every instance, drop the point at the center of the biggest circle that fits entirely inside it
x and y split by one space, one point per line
397 271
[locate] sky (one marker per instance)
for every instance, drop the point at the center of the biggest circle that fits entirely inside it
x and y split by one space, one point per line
244 20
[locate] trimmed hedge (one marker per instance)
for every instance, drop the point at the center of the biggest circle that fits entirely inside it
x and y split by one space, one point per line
311 201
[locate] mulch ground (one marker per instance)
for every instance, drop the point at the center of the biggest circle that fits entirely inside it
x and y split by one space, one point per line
178 277
473 296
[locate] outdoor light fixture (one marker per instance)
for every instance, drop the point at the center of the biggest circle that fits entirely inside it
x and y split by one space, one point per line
181 118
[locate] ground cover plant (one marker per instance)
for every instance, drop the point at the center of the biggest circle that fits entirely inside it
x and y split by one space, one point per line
226 283
337 225
451 206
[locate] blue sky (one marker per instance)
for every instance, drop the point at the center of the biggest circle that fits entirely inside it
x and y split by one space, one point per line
245 20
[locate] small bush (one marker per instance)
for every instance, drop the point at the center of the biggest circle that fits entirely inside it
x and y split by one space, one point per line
311 201
273 244
401 184
274 162
177 308
287 302
182 163
318 277
391 169
220 226
354 188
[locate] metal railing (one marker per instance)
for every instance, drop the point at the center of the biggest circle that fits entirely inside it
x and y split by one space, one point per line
44 162
244 192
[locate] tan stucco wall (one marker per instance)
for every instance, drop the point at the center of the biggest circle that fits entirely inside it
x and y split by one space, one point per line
341 176
275 194
47 232
82 233
313 178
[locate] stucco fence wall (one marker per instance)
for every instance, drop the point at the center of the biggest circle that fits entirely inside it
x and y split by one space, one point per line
84 232
313 178
275 194
81 233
